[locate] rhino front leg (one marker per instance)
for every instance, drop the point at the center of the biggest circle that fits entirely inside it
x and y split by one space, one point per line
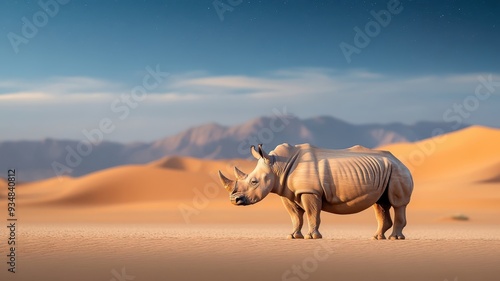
296 214
312 206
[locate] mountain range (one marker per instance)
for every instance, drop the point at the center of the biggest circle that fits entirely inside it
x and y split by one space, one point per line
35 160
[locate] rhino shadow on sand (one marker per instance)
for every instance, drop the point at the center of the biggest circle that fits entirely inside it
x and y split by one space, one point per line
310 180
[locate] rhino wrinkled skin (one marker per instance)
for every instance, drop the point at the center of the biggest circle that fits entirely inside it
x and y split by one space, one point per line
310 180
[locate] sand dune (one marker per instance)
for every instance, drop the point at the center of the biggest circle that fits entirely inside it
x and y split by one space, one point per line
457 173
450 156
168 179
201 166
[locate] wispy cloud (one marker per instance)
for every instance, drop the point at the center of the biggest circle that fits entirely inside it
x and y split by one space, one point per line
58 89
198 97
279 84
25 96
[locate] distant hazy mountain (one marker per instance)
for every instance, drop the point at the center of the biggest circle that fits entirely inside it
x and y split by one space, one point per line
36 160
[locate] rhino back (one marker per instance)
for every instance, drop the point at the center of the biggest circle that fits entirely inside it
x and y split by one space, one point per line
342 176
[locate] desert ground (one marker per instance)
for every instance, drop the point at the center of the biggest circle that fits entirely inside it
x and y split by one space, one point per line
171 220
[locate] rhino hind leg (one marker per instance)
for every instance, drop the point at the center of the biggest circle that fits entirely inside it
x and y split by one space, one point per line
312 205
399 223
399 196
296 215
384 220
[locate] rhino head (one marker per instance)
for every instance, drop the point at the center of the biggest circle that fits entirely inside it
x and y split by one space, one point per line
250 188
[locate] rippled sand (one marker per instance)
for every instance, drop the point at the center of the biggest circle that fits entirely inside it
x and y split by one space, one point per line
452 251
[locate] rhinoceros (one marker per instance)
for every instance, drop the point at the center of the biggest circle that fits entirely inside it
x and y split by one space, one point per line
310 180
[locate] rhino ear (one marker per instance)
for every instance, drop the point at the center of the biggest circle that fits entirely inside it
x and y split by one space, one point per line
227 183
239 174
267 157
255 153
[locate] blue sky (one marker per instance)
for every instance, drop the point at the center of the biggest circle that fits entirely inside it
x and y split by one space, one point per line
67 75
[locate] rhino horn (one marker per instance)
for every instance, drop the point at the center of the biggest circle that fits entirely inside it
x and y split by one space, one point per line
255 153
227 183
239 174
264 154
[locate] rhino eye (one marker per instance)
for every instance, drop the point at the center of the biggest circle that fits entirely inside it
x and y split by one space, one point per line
254 181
